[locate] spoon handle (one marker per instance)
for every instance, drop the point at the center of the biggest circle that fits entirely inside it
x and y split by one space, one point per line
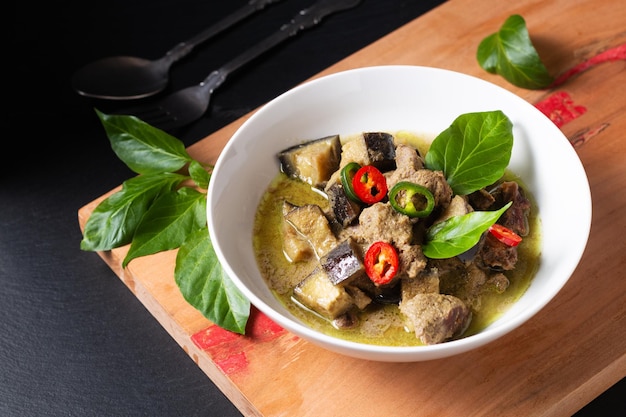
305 19
182 49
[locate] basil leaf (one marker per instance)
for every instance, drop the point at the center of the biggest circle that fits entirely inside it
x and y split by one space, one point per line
459 233
152 217
474 151
204 284
113 222
510 53
199 175
142 147
168 222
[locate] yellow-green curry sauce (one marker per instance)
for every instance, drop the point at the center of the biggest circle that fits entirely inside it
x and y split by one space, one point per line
379 325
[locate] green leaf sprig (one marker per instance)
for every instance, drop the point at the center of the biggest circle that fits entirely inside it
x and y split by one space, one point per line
164 208
459 234
511 54
473 152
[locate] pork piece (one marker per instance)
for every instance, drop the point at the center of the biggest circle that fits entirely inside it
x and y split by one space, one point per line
370 148
343 263
475 279
381 222
493 253
320 295
516 217
410 167
435 318
446 265
408 162
458 207
312 162
345 211
481 199
471 282
436 183
496 255
426 282
412 261
295 246
310 222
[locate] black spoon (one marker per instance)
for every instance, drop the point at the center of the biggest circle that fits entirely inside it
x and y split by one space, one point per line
129 77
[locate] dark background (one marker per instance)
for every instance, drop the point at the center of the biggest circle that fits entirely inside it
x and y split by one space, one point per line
73 339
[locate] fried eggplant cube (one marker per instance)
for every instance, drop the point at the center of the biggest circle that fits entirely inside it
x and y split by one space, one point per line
343 263
322 296
312 162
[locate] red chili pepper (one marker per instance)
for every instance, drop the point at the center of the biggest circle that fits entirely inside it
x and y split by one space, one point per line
505 235
369 184
381 263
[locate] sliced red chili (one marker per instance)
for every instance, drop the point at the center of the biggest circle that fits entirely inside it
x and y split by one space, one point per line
381 263
347 174
369 184
505 235
411 199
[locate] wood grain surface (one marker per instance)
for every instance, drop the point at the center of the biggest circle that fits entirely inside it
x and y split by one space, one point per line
553 365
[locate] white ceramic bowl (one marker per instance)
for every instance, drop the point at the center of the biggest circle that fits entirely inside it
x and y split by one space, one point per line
391 98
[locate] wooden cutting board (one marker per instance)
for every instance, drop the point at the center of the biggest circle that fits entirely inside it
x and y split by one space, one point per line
560 360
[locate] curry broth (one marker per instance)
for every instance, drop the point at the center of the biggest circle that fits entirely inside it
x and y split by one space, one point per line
378 325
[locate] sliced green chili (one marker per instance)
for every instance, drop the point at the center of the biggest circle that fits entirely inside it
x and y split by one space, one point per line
347 173
411 199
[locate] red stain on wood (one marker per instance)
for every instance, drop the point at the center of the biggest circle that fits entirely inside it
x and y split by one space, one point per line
232 363
213 336
261 328
228 349
560 108
583 136
614 54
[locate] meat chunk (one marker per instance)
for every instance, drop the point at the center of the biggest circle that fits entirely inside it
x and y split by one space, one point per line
436 183
381 222
496 255
435 318
408 162
471 282
458 207
481 199
410 167
412 261
516 217
426 282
